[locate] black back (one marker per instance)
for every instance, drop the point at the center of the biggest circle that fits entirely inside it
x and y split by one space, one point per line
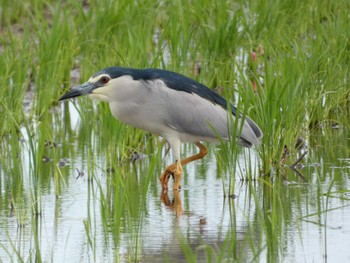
173 80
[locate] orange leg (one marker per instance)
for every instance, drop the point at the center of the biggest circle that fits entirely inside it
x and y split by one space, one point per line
176 168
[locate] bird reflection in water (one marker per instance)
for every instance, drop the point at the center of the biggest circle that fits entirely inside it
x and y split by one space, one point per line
173 204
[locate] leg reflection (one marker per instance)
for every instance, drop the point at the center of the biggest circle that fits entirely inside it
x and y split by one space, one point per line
175 204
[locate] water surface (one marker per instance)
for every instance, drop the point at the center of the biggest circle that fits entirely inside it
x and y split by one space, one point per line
264 220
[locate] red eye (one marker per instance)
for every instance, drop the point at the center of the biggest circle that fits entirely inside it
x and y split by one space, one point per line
104 79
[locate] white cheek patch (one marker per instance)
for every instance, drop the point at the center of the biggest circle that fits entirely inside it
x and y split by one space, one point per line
98 97
103 93
115 89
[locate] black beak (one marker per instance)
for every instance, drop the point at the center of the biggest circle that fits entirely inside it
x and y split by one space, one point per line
81 90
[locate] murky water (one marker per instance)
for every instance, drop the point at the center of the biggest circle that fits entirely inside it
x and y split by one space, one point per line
312 222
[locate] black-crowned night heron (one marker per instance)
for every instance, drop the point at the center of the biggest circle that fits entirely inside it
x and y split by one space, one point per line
168 104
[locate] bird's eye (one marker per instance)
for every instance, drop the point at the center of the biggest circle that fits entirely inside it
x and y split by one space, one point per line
104 79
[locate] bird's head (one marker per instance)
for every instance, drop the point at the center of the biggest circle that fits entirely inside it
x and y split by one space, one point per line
102 85
98 87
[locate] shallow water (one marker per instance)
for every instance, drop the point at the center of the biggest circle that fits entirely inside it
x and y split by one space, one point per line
311 224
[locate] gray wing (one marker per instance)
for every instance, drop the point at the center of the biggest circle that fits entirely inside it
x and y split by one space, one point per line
192 114
153 106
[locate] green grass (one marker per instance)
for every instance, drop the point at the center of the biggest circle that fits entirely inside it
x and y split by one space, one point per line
303 88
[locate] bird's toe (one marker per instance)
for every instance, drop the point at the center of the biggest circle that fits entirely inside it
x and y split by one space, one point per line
164 178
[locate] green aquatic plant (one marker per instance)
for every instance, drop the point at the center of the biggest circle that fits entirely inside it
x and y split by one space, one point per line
283 63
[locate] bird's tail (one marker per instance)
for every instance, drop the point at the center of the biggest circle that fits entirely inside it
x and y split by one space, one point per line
250 134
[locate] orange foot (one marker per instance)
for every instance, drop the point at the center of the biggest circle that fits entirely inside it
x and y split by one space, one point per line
174 170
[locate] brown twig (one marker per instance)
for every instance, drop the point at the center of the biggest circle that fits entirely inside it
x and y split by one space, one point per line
293 166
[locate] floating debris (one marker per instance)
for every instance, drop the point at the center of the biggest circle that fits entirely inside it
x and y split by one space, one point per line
63 162
233 196
136 156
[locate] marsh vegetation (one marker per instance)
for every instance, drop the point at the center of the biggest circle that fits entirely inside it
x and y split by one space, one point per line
77 185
